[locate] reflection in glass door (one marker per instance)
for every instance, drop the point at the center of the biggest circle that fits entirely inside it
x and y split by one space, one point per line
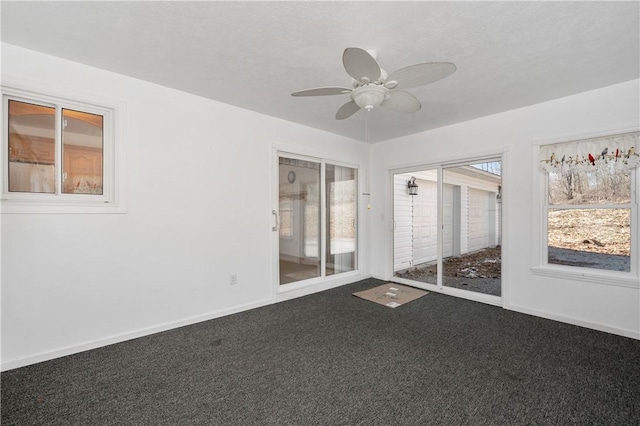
464 203
299 233
316 238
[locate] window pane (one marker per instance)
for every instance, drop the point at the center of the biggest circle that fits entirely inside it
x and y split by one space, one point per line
31 148
590 238
602 185
341 219
82 146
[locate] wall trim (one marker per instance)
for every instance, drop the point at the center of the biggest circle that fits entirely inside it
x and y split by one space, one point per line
633 334
147 331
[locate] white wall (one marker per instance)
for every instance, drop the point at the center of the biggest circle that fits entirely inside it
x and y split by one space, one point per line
199 178
606 307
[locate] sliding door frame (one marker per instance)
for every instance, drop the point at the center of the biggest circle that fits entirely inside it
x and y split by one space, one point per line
323 281
501 155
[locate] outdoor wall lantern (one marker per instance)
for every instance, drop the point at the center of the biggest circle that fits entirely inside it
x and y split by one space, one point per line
412 186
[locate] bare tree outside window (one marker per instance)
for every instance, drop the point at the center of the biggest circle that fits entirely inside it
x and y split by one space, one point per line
603 185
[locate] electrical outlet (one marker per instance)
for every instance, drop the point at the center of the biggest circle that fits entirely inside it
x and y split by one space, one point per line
233 280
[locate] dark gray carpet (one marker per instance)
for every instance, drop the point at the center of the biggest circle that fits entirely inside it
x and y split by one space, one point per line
335 359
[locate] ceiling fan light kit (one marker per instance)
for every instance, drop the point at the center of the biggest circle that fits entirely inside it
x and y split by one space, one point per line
369 96
372 86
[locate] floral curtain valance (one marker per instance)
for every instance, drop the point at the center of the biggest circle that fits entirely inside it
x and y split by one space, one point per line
619 151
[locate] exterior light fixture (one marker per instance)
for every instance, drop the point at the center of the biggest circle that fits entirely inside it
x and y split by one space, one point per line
412 186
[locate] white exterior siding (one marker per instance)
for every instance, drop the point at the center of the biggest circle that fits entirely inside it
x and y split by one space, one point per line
464 223
479 227
425 222
470 217
403 219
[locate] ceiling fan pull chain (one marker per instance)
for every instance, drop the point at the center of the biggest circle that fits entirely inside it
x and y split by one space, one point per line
366 126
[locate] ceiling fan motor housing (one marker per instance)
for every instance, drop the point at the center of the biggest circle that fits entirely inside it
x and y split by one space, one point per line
369 96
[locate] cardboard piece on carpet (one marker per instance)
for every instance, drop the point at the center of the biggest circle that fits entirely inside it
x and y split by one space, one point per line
391 294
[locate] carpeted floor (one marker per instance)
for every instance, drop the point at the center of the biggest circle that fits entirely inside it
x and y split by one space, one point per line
335 359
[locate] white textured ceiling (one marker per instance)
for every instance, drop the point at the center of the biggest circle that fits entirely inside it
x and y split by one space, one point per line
255 54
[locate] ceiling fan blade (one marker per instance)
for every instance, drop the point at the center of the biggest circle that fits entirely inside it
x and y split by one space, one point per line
419 74
401 102
360 65
347 110
322 91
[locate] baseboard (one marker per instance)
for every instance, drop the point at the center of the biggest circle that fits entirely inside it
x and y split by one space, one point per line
573 321
536 313
98 343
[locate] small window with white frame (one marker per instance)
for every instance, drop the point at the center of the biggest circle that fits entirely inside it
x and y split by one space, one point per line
590 212
56 152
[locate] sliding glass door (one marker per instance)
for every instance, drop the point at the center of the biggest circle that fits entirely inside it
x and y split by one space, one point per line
341 213
299 224
316 219
447 226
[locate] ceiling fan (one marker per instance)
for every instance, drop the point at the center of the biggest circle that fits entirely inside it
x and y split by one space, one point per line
372 86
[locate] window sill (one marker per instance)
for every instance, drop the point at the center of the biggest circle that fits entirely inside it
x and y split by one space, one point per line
615 279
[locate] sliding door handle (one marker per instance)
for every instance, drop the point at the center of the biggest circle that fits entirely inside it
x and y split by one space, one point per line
277 221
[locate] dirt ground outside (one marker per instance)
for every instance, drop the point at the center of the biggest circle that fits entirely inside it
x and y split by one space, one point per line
481 264
479 271
606 231
598 239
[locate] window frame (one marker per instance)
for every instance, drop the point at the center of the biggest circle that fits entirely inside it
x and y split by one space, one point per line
578 273
112 198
